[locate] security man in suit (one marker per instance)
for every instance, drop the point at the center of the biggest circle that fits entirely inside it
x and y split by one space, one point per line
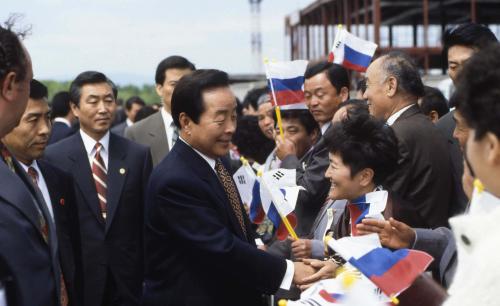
109 174
27 142
28 260
158 131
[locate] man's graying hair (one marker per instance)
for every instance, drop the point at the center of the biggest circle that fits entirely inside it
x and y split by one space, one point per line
400 66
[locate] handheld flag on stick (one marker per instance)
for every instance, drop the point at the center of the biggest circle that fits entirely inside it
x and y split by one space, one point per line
286 81
280 188
245 178
392 272
370 205
351 51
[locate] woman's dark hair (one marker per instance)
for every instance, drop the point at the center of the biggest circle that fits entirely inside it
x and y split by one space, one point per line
364 142
250 140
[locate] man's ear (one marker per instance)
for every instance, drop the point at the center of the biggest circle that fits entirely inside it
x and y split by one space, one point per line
186 123
391 86
8 90
366 177
344 94
434 116
74 109
159 90
493 147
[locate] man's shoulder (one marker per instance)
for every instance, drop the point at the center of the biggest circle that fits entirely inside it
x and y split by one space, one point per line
62 146
145 125
126 145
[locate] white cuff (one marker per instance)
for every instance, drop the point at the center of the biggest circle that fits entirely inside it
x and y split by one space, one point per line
286 283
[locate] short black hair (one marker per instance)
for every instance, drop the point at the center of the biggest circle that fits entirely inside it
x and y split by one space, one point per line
361 86
60 104
478 93
188 93
144 112
38 90
399 65
364 142
472 35
88 77
304 116
434 100
13 58
134 100
362 105
171 62
250 140
337 75
252 97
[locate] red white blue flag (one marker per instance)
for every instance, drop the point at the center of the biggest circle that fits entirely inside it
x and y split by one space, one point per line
370 205
351 51
286 83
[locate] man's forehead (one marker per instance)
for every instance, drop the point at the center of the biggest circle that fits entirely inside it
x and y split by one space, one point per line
37 106
97 88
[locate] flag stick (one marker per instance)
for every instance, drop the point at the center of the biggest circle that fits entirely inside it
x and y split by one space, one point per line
276 106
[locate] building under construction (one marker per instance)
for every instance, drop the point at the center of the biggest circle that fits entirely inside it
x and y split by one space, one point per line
413 26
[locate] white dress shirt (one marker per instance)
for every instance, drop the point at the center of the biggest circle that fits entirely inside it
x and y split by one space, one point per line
169 129
396 115
286 283
325 127
128 122
62 120
42 185
89 144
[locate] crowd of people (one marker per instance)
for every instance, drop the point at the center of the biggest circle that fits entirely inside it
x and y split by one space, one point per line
108 205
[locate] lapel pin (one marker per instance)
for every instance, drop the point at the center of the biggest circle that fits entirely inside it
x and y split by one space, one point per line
61 201
122 171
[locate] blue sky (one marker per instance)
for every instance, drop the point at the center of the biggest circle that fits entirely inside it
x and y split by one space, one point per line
127 38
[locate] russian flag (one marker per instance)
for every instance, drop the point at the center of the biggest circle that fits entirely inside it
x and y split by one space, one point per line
370 205
257 212
331 297
351 51
286 82
392 272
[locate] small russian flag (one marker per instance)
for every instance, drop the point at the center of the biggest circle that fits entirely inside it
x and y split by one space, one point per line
257 212
392 272
286 82
351 51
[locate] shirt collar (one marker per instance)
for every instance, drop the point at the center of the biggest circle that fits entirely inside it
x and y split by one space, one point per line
63 120
33 164
396 115
167 117
325 127
89 142
209 160
128 122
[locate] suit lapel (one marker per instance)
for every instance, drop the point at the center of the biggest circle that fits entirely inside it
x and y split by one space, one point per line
117 172
55 195
82 175
203 169
409 112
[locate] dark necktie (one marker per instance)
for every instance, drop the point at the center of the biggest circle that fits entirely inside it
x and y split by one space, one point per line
100 175
33 174
231 192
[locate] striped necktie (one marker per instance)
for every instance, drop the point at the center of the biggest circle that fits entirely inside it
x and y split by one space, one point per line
100 175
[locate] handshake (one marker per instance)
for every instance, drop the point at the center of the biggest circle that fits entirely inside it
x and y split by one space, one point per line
309 271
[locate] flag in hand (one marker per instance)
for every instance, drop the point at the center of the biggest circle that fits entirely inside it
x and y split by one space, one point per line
351 51
286 82
370 205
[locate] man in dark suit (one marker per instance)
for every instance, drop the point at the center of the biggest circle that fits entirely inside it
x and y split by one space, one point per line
199 245
63 117
424 176
326 85
158 131
28 253
26 142
109 173
132 106
459 44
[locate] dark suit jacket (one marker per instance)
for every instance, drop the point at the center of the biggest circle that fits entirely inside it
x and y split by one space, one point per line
59 131
113 247
29 270
446 125
119 129
424 176
60 187
311 170
150 132
196 252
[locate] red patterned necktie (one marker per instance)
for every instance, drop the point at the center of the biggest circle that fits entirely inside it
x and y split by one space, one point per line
7 158
33 174
231 192
100 175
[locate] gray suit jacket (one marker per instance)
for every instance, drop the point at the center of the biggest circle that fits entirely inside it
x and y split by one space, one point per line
150 132
440 244
310 175
119 129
